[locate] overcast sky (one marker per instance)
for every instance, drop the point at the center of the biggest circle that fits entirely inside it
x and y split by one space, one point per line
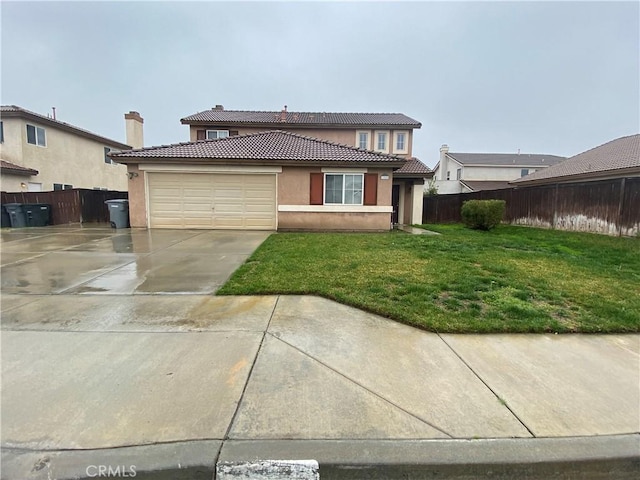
542 77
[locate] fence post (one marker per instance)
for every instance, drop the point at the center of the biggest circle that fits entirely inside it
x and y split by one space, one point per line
621 206
555 207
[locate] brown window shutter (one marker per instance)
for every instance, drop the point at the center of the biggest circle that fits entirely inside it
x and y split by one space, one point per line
370 188
317 187
201 134
233 133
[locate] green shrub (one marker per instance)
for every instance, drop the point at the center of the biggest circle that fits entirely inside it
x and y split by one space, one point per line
483 214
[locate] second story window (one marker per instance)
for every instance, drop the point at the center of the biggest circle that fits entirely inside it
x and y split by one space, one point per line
458 174
381 142
400 144
36 136
363 140
1 132
213 134
524 172
106 156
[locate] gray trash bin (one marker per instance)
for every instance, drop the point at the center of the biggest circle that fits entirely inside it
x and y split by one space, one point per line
6 219
37 214
118 213
16 215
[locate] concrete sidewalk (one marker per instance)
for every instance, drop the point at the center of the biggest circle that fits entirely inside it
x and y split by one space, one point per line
172 384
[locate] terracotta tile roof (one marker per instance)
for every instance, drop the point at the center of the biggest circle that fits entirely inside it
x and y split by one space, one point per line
13 111
506 159
272 146
233 117
477 185
615 157
413 166
13 169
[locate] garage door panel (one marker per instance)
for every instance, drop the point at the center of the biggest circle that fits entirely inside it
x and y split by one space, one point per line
225 201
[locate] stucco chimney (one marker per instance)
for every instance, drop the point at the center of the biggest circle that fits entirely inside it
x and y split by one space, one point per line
134 122
444 164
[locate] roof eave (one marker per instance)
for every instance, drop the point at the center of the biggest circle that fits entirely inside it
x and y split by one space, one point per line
253 162
65 127
25 173
279 125
413 175
605 174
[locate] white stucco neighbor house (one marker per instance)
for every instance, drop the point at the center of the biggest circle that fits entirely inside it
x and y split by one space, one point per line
471 172
40 153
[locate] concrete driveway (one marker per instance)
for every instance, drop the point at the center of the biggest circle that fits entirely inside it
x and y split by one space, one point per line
55 260
115 352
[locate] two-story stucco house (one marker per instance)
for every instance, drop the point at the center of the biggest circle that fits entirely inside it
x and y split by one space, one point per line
40 153
280 170
471 172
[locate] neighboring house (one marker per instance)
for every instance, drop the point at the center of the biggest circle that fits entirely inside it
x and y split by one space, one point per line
471 172
40 153
269 180
618 158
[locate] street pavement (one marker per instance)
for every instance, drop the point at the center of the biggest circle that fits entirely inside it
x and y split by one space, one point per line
115 352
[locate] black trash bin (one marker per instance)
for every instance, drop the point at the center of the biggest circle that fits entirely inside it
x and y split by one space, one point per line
37 214
118 212
6 219
16 215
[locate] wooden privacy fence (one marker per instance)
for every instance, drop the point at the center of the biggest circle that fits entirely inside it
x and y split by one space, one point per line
611 206
77 205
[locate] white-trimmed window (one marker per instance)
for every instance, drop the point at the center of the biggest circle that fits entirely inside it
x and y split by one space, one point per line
381 141
459 174
362 140
401 142
36 136
213 134
343 188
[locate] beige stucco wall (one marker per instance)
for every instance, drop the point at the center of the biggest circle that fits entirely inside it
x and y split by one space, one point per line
417 202
15 183
137 197
66 159
294 184
337 135
334 221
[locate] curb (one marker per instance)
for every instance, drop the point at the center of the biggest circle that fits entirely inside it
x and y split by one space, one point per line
615 456
194 460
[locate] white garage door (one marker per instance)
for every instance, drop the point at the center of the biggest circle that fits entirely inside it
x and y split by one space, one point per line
212 200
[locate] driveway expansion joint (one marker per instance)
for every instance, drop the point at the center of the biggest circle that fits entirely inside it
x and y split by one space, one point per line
253 364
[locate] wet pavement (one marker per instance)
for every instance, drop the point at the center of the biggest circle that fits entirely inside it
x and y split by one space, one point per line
55 260
112 340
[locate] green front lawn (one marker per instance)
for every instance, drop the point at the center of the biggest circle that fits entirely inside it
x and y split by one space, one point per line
511 279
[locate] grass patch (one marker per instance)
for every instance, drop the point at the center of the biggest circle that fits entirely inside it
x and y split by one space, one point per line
511 279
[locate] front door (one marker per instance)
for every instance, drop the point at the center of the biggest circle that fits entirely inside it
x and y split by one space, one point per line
395 202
